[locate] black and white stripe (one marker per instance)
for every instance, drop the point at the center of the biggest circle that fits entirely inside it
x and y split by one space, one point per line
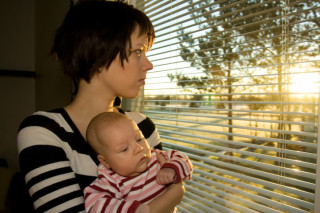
58 163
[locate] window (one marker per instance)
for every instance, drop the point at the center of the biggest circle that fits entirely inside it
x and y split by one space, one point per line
235 85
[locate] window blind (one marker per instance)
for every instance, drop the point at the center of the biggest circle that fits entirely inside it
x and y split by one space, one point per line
235 86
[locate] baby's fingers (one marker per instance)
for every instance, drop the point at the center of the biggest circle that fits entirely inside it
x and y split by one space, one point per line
165 176
161 159
164 179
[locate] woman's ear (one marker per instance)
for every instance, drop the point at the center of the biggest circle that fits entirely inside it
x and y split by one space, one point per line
103 161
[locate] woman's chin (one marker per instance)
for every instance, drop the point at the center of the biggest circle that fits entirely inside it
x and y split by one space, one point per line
131 96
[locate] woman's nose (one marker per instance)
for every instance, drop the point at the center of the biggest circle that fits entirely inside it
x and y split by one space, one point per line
148 65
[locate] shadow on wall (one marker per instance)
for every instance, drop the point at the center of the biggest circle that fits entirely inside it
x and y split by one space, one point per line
18 101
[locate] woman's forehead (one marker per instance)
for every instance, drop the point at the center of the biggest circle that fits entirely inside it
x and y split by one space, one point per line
138 35
143 33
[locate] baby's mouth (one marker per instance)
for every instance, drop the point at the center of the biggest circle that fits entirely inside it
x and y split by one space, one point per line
143 159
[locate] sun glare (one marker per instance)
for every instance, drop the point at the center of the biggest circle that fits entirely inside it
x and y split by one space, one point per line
305 84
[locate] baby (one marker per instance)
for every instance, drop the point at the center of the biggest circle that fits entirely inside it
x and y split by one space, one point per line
129 175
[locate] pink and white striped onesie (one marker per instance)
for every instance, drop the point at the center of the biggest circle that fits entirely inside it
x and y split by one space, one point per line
111 192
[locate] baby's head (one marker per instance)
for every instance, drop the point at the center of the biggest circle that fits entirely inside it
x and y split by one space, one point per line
119 143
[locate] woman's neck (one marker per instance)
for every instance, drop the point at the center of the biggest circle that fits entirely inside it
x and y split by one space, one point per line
88 104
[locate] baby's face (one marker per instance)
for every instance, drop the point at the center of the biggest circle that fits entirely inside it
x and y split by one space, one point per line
126 150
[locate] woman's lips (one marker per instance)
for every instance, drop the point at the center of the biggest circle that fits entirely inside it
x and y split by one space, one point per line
142 81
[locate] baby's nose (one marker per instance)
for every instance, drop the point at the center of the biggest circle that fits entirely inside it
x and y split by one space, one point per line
139 148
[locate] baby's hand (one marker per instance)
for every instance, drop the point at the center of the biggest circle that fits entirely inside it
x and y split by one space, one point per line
166 176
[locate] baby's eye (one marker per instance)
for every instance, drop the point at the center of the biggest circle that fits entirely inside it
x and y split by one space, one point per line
125 149
141 139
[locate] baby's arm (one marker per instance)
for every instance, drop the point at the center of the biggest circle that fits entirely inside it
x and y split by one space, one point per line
179 163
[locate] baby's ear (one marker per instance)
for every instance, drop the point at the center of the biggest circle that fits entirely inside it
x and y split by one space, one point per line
103 161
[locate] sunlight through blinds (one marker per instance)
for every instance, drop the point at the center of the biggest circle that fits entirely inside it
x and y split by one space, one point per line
235 86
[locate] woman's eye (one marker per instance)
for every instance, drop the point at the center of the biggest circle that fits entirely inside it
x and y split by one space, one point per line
138 51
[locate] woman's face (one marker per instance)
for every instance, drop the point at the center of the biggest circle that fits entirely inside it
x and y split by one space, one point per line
126 81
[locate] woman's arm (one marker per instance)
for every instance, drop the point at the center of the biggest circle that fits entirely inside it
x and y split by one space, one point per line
168 200
51 181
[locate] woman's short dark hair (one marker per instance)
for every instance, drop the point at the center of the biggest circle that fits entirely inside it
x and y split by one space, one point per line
94 32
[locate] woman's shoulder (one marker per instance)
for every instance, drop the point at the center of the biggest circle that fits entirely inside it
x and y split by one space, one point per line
136 116
147 128
143 122
46 119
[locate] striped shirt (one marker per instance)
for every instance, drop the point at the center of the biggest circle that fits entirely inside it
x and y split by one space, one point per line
111 192
58 163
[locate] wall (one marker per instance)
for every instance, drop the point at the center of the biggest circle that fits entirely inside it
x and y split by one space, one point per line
53 89
17 38
27 30
17 101
17 52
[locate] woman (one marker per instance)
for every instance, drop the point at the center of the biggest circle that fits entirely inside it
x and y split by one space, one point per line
101 46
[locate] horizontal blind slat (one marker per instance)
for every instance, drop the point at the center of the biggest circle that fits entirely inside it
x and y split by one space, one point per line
285 151
237 118
219 200
241 127
259 191
255 114
197 206
251 163
269 184
211 205
298 143
247 145
242 110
